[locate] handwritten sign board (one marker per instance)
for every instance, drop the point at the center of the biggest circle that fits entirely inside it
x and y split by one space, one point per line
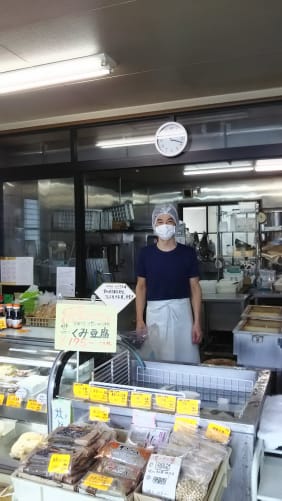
16 270
115 294
85 326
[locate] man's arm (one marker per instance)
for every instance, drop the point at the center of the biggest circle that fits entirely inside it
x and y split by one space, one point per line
196 301
140 303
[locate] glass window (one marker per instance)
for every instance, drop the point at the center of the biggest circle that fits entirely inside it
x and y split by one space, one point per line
39 222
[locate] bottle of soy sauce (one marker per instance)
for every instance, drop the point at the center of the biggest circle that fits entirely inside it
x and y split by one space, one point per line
17 316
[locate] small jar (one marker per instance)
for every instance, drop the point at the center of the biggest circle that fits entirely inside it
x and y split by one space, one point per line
9 315
17 317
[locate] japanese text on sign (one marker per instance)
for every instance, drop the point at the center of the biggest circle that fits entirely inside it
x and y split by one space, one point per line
59 463
117 294
85 326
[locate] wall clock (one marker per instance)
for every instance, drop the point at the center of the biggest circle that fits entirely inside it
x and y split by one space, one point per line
171 139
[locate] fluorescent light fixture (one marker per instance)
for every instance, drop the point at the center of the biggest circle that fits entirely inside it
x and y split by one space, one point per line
60 72
125 141
271 165
217 168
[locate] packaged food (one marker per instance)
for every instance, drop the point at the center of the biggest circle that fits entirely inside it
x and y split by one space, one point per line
161 476
105 486
26 443
148 437
114 468
137 456
193 481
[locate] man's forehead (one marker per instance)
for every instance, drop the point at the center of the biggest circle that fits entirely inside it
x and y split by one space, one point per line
165 215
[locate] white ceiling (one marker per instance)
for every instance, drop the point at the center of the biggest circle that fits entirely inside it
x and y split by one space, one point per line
170 54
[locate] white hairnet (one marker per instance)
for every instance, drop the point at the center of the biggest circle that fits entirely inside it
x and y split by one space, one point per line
164 209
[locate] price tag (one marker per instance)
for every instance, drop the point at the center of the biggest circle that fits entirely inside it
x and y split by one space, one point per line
218 433
2 396
166 402
97 481
3 323
33 405
59 463
13 401
179 420
97 394
190 407
118 397
99 413
80 390
141 400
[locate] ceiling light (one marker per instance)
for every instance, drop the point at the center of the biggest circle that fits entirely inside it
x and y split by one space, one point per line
124 142
60 72
217 168
270 165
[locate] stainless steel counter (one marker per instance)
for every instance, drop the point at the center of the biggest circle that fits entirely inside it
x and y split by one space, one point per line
30 335
222 312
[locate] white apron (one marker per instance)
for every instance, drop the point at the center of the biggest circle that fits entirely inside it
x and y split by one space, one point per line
174 320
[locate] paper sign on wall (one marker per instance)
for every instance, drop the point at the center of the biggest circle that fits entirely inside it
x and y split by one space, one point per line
17 270
115 294
85 326
65 283
61 412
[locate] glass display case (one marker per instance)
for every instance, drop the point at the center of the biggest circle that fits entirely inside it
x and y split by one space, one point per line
25 362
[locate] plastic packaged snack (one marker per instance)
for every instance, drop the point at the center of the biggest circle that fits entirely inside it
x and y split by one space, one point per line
114 468
137 456
193 481
148 437
105 486
161 476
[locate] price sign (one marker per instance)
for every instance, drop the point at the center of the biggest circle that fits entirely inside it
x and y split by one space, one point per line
33 405
96 481
59 463
97 394
218 433
3 323
118 397
2 396
80 390
180 420
99 413
166 402
13 401
190 407
116 294
85 326
141 400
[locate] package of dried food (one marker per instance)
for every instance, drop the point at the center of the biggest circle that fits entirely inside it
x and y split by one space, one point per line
161 476
105 486
174 450
148 437
26 443
81 435
193 481
137 456
107 466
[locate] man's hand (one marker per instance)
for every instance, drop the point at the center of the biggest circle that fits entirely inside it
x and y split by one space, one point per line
141 328
196 334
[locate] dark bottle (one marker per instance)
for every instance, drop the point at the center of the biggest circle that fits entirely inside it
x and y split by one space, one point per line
17 317
9 314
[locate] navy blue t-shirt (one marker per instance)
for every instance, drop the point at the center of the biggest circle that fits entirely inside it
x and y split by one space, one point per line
167 273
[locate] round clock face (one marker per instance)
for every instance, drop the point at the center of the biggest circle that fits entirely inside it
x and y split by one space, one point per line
171 139
261 217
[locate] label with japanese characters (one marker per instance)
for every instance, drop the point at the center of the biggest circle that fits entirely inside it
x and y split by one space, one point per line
116 294
97 394
81 390
2 396
141 400
61 412
99 413
97 481
165 402
118 397
186 421
3 323
190 407
59 463
33 405
161 476
85 326
13 401
218 433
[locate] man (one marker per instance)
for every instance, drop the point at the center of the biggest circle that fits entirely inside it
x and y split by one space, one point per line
168 280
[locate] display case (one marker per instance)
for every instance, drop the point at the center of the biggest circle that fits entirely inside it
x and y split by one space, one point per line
230 397
26 358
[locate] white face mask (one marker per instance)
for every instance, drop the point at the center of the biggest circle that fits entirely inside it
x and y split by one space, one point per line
165 231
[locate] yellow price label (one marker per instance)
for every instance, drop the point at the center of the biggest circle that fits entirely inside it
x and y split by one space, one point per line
118 397
59 463
97 481
166 402
2 396
218 433
99 413
179 420
33 405
98 394
80 390
13 401
3 323
190 407
141 400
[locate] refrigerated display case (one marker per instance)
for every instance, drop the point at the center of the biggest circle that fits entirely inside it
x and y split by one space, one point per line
231 397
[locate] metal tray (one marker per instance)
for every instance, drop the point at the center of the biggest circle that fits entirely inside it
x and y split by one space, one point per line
262 312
